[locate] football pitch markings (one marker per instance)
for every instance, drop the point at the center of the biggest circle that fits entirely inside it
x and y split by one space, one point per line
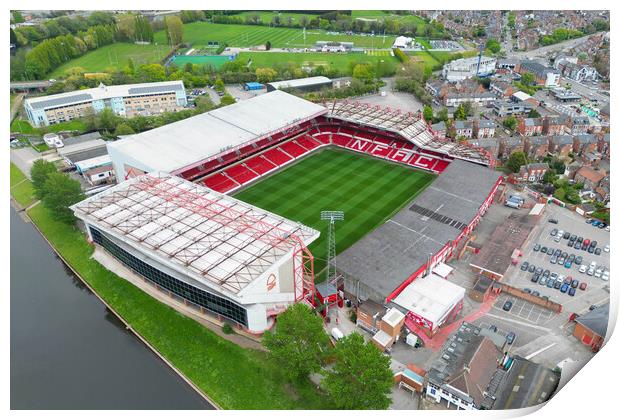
368 190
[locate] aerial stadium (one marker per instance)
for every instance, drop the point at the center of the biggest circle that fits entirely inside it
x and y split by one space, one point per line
223 209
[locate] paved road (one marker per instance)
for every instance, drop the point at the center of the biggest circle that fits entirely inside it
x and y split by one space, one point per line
542 52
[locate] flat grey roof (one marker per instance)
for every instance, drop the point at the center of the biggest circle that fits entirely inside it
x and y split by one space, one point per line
387 256
596 320
86 154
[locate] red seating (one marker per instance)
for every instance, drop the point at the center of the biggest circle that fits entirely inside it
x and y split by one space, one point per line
308 142
219 182
259 164
245 150
440 166
323 138
277 156
340 140
293 149
379 149
347 130
240 173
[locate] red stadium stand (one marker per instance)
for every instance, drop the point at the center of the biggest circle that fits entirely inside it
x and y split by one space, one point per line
308 142
240 173
341 140
379 149
220 182
260 165
277 156
323 138
293 149
440 166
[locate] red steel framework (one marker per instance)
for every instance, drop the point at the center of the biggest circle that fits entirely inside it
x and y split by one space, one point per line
303 260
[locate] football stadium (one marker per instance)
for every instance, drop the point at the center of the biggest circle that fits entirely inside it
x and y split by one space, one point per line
223 209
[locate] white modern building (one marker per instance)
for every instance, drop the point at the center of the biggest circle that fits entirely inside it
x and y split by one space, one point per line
466 68
125 100
402 42
223 257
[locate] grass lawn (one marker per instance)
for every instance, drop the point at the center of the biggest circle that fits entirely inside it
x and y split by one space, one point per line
199 33
115 56
21 187
234 377
336 61
24 127
368 190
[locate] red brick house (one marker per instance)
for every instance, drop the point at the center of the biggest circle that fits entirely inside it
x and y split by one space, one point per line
555 125
536 147
509 145
530 126
585 143
533 172
561 145
589 177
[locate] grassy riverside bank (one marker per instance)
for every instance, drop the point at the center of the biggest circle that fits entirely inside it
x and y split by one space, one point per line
21 187
233 377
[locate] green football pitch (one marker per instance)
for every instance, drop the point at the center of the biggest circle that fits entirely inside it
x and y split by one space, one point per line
368 190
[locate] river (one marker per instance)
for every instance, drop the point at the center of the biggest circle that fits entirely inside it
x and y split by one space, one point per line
68 351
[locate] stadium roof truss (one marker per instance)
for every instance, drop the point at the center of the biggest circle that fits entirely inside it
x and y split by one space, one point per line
409 125
217 238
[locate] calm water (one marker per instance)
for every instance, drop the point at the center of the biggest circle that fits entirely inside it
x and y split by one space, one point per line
68 351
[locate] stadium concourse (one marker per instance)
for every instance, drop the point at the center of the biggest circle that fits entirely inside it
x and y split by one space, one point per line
173 221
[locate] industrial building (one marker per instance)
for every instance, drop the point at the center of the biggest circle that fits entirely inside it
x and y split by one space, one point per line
231 260
125 100
465 68
307 84
420 236
543 75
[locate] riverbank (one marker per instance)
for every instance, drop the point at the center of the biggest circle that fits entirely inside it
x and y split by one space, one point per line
231 376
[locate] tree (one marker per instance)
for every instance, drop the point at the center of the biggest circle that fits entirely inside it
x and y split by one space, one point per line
528 79
60 192
533 113
123 129
227 99
265 74
442 115
361 378
298 343
510 122
107 120
173 26
427 113
17 16
40 171
515 161
267 45
550 176
493 45
363 72
219 85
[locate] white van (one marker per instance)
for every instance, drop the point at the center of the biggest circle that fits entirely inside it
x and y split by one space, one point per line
50 139
337 334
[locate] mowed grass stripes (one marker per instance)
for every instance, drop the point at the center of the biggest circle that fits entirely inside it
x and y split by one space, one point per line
368 190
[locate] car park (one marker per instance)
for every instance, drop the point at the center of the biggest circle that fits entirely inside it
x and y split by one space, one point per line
524 266
510 337
571 291
507 305
583 285
564 288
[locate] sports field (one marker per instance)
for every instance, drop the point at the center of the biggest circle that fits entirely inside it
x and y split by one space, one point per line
339 62
115 56
200 33
368 190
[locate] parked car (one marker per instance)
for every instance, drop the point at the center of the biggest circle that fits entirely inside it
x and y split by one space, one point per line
537 247
539 271
527 290
578 259
597 251
510 337
602 226
568 264
524 266
574 283
605 276
543 280
589 221
571 291
571 258
543 249
571 244
594 243
547 273
595 223
557 284
535 278
550 283
550 251
532 268
493 328
586 241
606 249
557 238
558 252
583 285
583 269
507 305
590 271
561 261
535 293
554 221
554 232
573 238
566 235
598 273
564 288
553 260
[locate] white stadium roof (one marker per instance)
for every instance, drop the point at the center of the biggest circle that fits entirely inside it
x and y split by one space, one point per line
295 83
178 145
430 297
219 241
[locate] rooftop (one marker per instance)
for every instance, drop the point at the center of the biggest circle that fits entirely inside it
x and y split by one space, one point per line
387 256
596 320
104 92
295 83
218 241
181 144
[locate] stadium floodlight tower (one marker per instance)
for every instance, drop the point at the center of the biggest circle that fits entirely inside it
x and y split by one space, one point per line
481 49
332 216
